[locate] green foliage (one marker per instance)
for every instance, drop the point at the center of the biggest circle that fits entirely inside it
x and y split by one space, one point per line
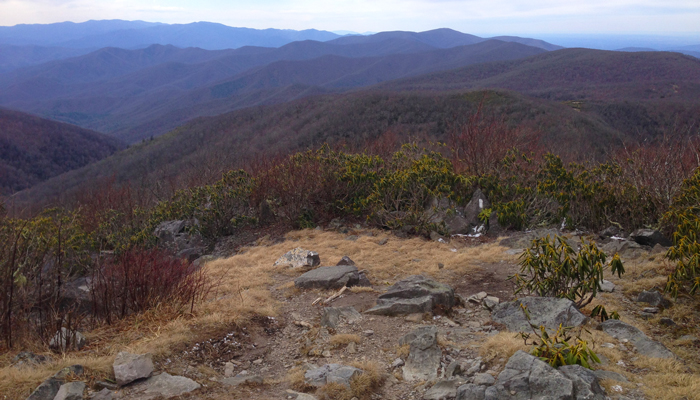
602 313
559 348
552 268
685 215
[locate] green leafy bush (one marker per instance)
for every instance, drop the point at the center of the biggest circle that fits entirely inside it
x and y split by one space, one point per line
552 268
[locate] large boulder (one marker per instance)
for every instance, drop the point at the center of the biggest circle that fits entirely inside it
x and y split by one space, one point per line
644 345
424 354
527 377
329 277
71 391
444 211
415 294
544 311
475 206
650 237
331 373
130 367
299 258
66 339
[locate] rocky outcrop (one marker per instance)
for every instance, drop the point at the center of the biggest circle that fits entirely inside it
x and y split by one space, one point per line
424 355
527 377
650 237
641 342
130 367
544 311
415 294
299 258
331 373
329 277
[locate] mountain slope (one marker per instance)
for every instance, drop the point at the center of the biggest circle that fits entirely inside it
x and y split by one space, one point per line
14 57
52 34
33 149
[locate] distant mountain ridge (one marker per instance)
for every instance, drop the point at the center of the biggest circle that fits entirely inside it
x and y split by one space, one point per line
34 149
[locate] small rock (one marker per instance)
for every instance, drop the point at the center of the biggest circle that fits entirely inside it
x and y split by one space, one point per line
71 391
651 310
472 392
667 322
333 316
442 390
345 261
299 258
415 318
28 358
397 363
368 332
130 367
331 373
383 242
453 369
654 299
243 379
326 354
607 286
484 379
490 302
104 394
228 369
351 348
166 385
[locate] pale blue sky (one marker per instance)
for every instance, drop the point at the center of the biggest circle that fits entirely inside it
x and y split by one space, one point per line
671 17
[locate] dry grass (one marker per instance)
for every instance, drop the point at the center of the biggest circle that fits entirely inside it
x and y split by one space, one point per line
345 338
502 345
403 351
295 378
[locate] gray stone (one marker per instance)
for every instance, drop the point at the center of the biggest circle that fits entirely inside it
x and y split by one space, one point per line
424 355
527 377
299 396
130 367
490 302
484 379
546 311
651 310
243 379
471 392
607 286
332 317
609 375
28 358
641 342
329 277
166 231
650 237
524 240
444 211
331 373
46 390
105 385
66 339
71 391
477 204
453 369
654 299
63 373
104 394
397 363
415 294
585 382
165 385
442 390
346 261
299 258
610 232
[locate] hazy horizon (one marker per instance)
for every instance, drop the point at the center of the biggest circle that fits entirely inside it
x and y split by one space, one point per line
479 17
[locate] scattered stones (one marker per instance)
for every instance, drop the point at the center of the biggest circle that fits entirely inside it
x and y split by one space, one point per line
654 299
130 367
546 311
641 342
442 390
66 339
164 385
415 294
527 377
299 258
424 355
650 237
243 379
71 391
331 373
329 277
332 317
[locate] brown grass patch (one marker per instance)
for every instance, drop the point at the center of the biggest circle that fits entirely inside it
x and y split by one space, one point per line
345 338
502 345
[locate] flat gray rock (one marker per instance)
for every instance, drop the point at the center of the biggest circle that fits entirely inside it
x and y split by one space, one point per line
164 385
641 342
299 258
71 391
329 277
650 237
331 373
443 390
424 355
415 294
546 311
130 367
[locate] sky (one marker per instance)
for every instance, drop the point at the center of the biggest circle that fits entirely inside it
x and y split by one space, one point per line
483 17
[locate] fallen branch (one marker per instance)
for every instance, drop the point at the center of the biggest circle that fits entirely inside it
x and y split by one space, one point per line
317 301
303 324
335 296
